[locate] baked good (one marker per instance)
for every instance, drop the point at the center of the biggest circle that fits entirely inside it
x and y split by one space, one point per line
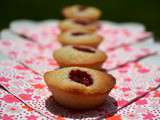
82 56
70 24
78 87
82 12
80 37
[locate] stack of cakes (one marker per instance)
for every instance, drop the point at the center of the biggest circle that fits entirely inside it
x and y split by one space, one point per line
79 83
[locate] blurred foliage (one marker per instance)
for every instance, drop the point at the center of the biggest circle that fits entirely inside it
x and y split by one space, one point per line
143 11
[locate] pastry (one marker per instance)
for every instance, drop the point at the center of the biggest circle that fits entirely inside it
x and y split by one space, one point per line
81 12
70 24
80 37
78 87
82 56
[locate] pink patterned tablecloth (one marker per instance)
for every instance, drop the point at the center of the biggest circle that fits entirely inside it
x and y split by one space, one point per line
29 48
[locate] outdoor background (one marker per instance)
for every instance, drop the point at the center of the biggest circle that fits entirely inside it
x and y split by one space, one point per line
143 11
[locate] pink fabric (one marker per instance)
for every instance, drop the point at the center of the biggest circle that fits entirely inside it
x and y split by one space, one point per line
31 89
32 57
13 109
39 58
146 108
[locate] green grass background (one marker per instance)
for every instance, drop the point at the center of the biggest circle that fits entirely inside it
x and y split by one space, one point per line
143 11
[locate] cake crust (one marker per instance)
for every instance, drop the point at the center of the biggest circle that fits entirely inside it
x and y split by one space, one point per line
74 12
69 56
75 95
88 38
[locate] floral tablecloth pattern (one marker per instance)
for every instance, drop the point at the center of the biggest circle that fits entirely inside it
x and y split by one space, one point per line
133 61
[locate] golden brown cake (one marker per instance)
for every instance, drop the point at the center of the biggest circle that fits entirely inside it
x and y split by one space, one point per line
70 24
82 12
82 56
80 37
78 87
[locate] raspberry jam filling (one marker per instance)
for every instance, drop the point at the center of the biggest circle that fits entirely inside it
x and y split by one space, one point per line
81 22
82 8
84 49
78 33
81 77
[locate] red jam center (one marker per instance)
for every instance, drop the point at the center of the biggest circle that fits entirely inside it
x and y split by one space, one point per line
84 49
81 77
81 22
78 33
82 8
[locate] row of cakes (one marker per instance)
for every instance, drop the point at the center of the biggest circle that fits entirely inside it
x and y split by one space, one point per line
79 83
